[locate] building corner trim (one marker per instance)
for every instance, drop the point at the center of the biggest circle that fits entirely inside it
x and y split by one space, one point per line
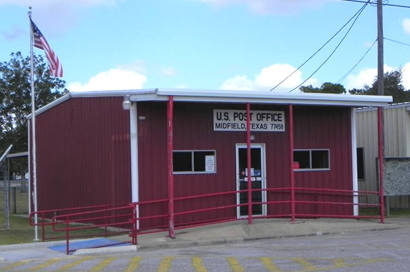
134 156
354 163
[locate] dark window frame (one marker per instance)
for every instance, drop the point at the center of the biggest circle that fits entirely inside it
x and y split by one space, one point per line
193 167
310 151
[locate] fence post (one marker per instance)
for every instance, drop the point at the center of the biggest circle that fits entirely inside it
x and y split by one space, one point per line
67 235
134 224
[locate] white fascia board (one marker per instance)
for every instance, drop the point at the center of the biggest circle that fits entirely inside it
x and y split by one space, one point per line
51 105
113 93
109 93
275 101
270 97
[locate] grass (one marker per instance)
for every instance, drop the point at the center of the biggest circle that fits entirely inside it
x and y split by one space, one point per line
20 231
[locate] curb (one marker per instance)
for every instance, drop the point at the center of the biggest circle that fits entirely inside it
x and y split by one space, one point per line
113 249
173 244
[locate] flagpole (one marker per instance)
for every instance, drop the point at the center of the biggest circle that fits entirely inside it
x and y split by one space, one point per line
33 130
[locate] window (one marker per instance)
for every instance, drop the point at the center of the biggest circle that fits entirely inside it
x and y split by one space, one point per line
312 159
203 161
360 163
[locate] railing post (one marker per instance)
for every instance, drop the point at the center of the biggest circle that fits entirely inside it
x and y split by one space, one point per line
381 160
134 224
170 116
67 235
249 157
291 166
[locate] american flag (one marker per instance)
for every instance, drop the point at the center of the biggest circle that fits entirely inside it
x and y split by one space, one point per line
41 42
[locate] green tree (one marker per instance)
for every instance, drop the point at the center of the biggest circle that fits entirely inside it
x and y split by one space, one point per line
392 86
326 87
15 97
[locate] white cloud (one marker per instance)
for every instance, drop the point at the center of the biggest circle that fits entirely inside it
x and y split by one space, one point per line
271 6
364 77
267 78
55 16
13 34
169 71
237 83
113 79
406 25
406 76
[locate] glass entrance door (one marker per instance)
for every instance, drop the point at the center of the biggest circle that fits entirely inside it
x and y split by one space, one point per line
257 178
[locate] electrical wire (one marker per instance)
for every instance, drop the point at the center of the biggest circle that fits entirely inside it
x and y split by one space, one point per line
334 50
399 42
375 3
317 51
357 63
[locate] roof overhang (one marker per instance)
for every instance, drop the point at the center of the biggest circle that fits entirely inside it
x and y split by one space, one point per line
231 96
222 96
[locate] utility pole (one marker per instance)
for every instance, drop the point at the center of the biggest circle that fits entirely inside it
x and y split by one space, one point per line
380 116
380 62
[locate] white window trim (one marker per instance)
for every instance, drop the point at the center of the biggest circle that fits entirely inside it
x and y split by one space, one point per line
192 162
262 147
310 169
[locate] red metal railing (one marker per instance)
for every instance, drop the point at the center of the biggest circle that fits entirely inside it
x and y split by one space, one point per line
115 220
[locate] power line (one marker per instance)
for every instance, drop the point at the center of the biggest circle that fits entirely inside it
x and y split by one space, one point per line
357 63
399 42
317 51
334 50
375 3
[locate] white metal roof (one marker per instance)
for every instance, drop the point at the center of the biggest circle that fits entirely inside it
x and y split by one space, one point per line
232 96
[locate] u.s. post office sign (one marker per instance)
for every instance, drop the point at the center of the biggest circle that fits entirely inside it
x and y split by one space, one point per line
235 120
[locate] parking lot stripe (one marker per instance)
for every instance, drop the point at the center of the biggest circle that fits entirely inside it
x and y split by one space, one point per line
307 266
102 264
165 264
198 265
133 265
75 263
13 265
45 264
268 263
234 264
339 262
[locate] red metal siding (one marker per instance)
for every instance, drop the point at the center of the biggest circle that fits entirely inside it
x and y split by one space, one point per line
83 154
325 128
84 159
193 130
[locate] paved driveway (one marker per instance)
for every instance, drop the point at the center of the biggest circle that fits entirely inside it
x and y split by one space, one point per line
387 250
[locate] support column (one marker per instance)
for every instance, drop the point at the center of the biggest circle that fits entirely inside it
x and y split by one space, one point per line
291 166
170 117
248 160
134 158
381 159
355 185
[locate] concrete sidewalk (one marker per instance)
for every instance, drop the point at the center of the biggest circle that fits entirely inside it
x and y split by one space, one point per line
231 232
238 231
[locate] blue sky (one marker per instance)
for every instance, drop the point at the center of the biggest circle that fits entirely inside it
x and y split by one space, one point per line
205 44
